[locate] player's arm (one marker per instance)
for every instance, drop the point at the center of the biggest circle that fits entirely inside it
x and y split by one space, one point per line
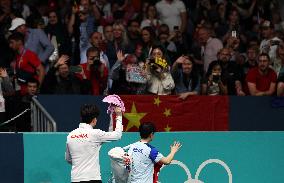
117 133
174 148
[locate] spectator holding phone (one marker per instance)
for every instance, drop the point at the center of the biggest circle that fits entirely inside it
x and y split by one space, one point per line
214 83
231 72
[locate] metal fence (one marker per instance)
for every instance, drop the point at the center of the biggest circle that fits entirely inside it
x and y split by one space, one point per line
40 118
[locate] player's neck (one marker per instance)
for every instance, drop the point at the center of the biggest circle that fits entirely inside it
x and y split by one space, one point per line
145 140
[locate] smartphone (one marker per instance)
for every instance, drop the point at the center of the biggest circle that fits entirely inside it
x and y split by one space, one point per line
81 8
176 28
216 78
274 42
75 69
234 34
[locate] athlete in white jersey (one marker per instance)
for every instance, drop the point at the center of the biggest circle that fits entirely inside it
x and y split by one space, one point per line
144 156
84 143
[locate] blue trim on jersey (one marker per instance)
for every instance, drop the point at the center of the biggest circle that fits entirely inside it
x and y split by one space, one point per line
153 153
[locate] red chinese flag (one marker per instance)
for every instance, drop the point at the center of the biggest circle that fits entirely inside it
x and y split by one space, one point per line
196 113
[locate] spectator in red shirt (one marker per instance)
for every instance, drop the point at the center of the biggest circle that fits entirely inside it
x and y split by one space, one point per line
27 64
261 80
95 71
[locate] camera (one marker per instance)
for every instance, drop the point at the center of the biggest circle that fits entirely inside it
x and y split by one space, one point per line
274 42
96 62
176 28
158 65
216 78
234 34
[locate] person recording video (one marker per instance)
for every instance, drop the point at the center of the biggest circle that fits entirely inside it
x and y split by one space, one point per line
95 71
159 78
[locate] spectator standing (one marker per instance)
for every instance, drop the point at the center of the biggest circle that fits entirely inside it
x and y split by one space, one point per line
151 18
269 41
209 47
120 42
177 15
58 36
27 65
35 39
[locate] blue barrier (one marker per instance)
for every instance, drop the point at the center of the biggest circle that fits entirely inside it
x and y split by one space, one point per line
11 158
255 114
249 156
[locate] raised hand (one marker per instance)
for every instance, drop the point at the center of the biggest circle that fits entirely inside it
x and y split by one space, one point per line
62 60
120 56
180 60
117 110
175 147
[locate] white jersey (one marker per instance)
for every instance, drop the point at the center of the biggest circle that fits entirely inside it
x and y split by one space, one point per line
144 156
83 147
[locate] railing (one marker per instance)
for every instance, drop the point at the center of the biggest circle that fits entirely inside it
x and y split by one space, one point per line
41 119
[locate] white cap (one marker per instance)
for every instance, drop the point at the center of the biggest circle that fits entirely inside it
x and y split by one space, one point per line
16 22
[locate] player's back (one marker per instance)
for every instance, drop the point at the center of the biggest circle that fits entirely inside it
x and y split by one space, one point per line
143 158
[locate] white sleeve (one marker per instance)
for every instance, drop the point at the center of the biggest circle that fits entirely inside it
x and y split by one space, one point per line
103 136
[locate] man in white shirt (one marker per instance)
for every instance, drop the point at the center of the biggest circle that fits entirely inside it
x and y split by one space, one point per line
144 156
173 13
269 41
84 143
209 47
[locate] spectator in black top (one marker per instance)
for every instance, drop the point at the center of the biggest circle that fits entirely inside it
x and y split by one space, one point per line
231 72
59 80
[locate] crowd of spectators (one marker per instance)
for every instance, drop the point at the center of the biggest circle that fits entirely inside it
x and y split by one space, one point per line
159 47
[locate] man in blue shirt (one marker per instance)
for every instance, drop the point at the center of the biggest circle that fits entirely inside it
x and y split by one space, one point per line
144 156
36 40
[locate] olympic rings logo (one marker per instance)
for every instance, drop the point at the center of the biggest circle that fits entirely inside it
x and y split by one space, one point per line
196 180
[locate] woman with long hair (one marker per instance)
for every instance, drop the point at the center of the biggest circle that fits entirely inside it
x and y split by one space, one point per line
186 77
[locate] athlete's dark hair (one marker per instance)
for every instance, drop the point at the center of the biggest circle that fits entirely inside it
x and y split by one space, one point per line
146 129
89 112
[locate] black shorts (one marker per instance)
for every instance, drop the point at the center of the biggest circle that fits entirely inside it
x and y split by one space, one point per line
90 181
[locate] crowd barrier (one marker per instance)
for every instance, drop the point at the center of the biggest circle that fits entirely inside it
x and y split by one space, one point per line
211 157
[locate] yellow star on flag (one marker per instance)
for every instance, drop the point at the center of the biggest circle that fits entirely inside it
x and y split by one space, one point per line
167 112
157 101
168 129
133 117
